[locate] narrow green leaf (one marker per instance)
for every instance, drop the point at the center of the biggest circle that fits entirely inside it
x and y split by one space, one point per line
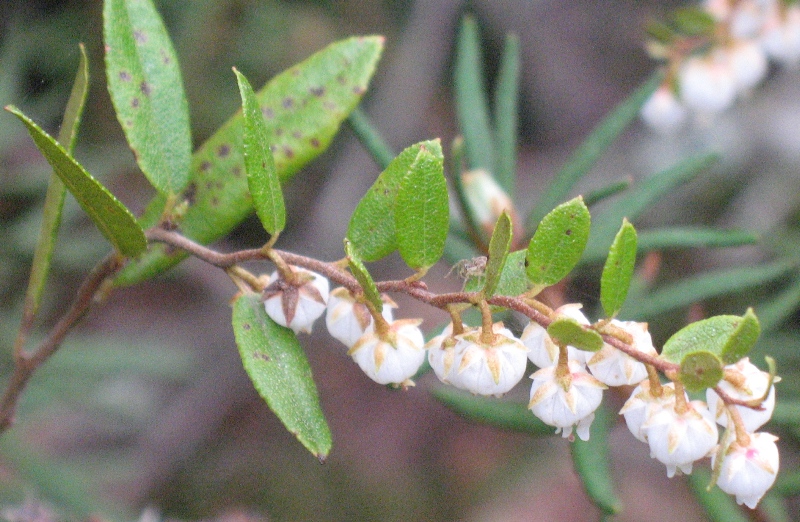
618 270
587 154
468 214
725 336
303 108
144 80
693 21
603 193
569 332
422 209
558 243
262 178
370 138
704 286
472 107
506 97
113 219
719 506
513 280
498 253
280 372
372 225
54 199
700 370
592 463
501 414
779 307
639 198
694 237
363 277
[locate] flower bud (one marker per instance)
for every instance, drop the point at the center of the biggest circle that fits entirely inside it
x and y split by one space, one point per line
748 471
488 368
487 200
393 358
566 401
347 319
752 385
615 368
707 83
296 307
677 439
642 405
542 351
663 111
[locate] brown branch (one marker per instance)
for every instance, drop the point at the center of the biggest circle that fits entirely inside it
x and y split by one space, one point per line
25 364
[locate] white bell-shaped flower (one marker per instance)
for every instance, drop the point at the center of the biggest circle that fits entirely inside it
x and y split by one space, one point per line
488 368
642 405
347 319
678 439
753 385
748 471
663 111
542 351
441 353
566 401
615 368
780 37
296 307
707 83
393 358
748 63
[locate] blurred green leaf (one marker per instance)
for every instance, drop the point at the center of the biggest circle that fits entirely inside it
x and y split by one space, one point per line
618 270
779 307
501 414
262 178
498 253
144 80
422 209
568 331
280 372
693 237
718 505
700 370
729 337
113 219
370 138
592 148
472 107
506 98
693 21
592 463
363 277
303 109
558 243
598 195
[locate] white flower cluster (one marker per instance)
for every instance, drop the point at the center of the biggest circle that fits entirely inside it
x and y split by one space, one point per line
565 391
707 80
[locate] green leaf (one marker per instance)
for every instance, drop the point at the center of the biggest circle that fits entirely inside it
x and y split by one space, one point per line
422 209
639 198
618 270
363 277
502 414
590 150
569 332
113 219
780 306
370 138
54 199
498 253
700 370
598 195
372 225
506 110
592 464
144 80
728 337
693 237
472 107
262 178
280 372
558 243
718 505
693 21
303 108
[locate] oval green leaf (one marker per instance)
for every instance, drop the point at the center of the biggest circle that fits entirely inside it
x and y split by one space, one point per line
569 332
262 178
280 372
499 245
144 80
113 219
303 108
372 226
558 243
618 270
700 370
363 277
422 209
728 337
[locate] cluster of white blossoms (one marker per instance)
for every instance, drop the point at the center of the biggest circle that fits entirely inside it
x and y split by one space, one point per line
568 386
706 74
